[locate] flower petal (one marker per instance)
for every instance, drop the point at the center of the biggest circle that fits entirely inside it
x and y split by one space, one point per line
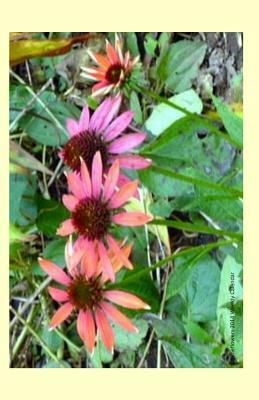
111 53
75 185
58 294
123 195
84 119
126 142
66 228
99 115
119 252
131 218
100 85
101 60
118 126
104 329
111 180
118 317
60 315
55 272
85 176
106 262
69 201
89 260
125 299
134 162
112 112
72 257
72 127
97 173
86 328
102 91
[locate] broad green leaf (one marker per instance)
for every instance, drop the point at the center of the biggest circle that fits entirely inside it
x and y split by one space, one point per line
51 215
163 115
150 44
230 291
51 338
23 209
125 341
55 250
180 63
197 333
191 355
201 290
232 123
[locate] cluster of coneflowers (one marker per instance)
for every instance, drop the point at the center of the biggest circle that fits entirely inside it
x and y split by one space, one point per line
99 146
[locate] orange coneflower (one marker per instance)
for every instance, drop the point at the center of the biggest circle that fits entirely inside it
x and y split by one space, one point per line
113 69
96 205
85 293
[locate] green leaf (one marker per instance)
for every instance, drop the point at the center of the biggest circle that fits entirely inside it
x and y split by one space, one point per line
150 44
135 106
53 364
164 116
232 123
125 341
23 209
197 333
132 43
52 340
54 251
180 64
191 355
229 321
201 290
161 208
51 214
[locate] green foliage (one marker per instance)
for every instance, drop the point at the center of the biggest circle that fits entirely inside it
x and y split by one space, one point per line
180 64
51 214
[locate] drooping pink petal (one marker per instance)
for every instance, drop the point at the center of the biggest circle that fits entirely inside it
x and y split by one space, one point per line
111 113
58 294
69 201
104 329
102 91
123 195
134 162
118 317
118 126
72 257
125 299
97 173
84 119
105 261
131 218
103 61
61 154
111 180
126 142
90 259
75 185
55 272
61 314
118 252
66 228
85 176
72 127
99 115
86 328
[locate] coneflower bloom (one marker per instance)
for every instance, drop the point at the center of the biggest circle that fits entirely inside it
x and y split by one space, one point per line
84 293
96 206
113 69
105 133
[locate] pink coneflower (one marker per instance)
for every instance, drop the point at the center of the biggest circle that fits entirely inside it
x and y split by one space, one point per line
85 293
95 206
103 133
113 69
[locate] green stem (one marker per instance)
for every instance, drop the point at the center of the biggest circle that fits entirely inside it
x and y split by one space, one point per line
196 228
37 337
145 271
